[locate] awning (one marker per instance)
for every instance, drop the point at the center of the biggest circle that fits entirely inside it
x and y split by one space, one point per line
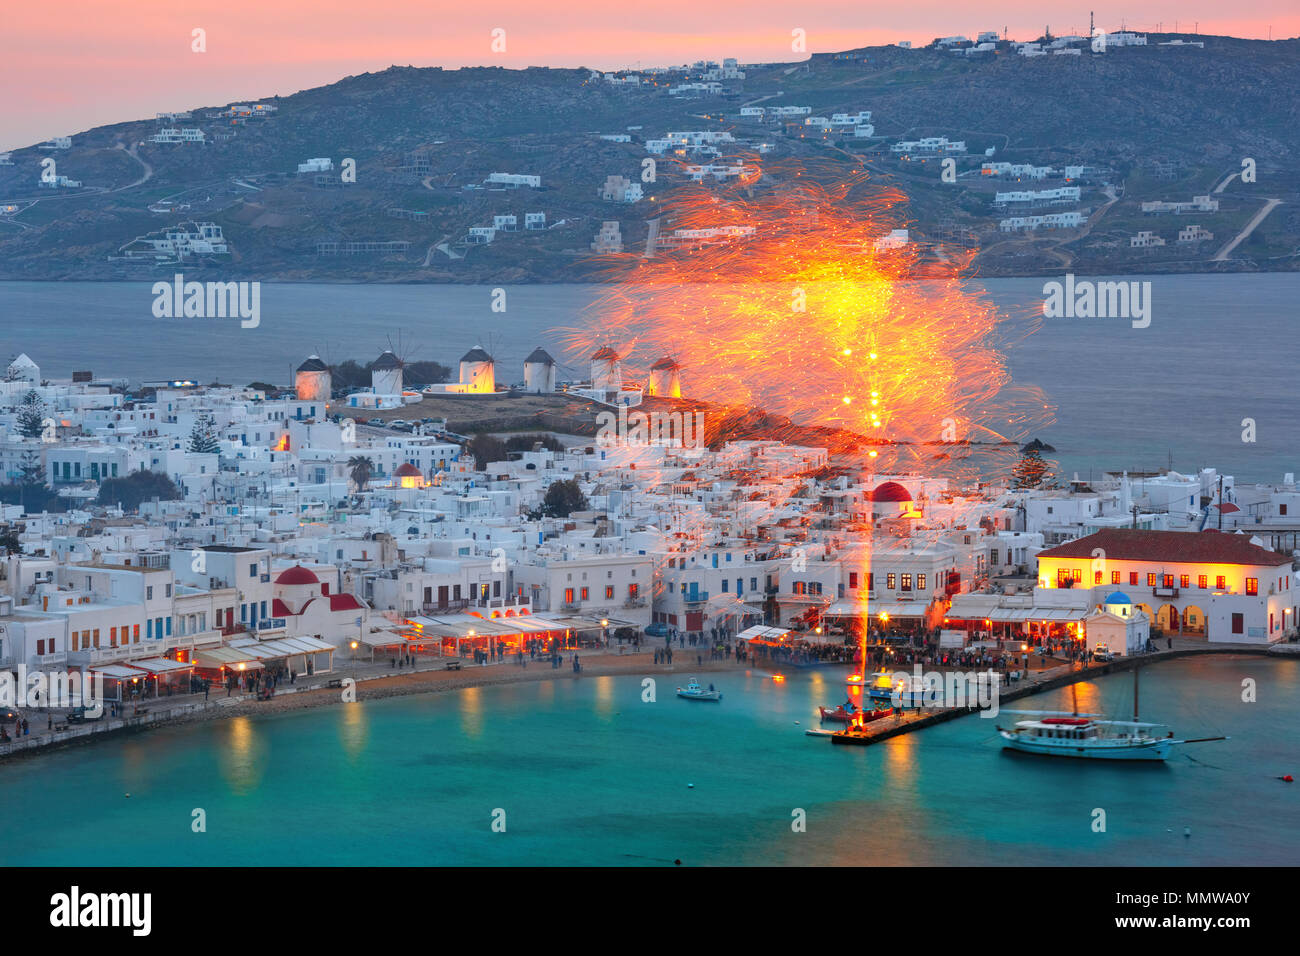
161 665
383 639
763 634
231 656
1049 615
848 609
903 609
118 671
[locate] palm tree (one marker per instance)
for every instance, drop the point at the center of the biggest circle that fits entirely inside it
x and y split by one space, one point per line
360 468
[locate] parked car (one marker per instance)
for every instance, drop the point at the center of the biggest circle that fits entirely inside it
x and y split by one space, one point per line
376 421
79 714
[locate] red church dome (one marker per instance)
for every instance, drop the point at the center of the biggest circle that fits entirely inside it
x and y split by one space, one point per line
297 575
406 470
891 491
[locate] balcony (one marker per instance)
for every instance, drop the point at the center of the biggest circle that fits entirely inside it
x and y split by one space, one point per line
442 607
1165 592
634 602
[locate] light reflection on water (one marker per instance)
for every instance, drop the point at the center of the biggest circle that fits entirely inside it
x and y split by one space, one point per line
589 774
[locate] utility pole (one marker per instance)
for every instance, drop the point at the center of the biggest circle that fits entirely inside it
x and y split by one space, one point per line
1220 502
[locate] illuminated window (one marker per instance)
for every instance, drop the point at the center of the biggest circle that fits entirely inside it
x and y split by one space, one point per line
853 579
633 590
1077 575
907 582
584 594
1202 581
1114 577
568 595
1185 581
1133 577
1151 580
920 582
609 593
891 581
1096 577
1252 586
1220 582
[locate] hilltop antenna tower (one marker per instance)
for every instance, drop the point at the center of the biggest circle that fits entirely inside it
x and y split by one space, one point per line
1092 25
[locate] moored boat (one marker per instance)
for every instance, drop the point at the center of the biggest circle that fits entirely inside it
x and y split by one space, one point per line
1057 734
841 714
693 691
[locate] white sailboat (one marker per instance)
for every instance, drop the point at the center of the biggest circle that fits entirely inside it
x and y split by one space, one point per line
1058 734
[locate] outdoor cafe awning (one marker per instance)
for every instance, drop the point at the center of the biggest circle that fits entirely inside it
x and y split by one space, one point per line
874 609
384 638
161 665
118 671
232 657
764 635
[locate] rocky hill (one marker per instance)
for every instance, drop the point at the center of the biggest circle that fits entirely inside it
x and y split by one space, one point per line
1154 122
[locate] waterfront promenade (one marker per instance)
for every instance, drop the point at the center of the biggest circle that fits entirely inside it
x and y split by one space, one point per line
375 681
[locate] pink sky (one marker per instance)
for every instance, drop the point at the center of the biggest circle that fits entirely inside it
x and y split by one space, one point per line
74 64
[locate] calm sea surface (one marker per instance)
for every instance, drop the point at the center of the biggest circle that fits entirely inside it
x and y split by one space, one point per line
1219 349
588 774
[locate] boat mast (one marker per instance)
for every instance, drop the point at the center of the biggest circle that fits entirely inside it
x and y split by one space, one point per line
1074 698
1135 694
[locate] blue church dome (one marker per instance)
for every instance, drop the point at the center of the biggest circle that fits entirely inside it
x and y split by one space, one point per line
1118 597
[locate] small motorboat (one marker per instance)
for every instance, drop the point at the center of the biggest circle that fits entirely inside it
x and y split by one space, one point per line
819 732
693 691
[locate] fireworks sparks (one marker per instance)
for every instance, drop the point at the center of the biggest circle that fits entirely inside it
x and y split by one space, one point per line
810 317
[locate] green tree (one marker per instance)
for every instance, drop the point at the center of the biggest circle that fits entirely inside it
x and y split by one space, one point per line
526 442
30 471
203 436
563 498
360 468
486 448
31 415
9 542
136 488
1030 471
425 373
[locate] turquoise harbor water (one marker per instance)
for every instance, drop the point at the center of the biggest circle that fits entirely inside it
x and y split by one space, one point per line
588 774
1215 353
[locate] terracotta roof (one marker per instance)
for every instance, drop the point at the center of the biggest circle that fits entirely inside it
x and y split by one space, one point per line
344 602
297 575
604 353
665 362
406 470
1184 547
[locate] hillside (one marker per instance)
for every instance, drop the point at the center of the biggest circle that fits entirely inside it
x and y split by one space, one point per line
1150 123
